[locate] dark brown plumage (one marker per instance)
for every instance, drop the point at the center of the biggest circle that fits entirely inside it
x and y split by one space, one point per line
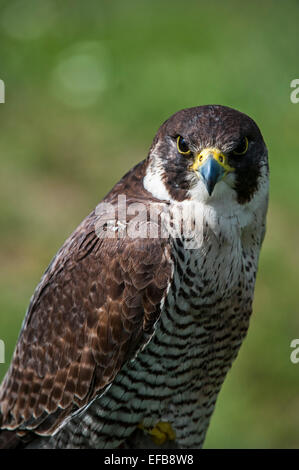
95 307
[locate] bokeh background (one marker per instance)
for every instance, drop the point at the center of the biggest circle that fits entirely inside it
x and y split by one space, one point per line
87 86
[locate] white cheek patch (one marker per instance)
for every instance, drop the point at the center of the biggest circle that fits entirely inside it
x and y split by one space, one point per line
153 181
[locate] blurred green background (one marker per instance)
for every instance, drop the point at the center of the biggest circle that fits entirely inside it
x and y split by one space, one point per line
87 86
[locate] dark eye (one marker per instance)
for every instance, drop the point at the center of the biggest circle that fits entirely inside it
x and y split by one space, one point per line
242 147
182 146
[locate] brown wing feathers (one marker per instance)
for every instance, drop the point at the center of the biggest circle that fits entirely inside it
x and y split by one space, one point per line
93 310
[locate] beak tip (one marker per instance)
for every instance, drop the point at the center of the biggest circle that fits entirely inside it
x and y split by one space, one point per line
210 188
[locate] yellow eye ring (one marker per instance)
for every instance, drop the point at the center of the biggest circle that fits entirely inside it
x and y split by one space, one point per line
244 150
182 151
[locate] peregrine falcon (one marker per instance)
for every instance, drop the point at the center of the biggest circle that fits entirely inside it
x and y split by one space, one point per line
134 325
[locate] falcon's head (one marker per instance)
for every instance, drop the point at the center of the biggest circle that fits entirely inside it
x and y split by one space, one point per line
208 154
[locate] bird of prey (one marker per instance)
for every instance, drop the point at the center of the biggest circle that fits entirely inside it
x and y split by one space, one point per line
133 327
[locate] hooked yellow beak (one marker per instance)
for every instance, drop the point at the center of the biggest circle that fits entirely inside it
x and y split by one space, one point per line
212 165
